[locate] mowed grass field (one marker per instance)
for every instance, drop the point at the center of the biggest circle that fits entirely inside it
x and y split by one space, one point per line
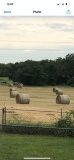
18 147
41 99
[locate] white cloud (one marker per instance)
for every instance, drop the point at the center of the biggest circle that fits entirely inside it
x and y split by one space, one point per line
55 34
28 50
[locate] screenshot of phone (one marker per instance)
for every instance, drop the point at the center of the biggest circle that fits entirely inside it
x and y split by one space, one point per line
36 79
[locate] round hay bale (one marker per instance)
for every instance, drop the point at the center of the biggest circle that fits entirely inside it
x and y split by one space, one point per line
10 84
62 99
54 89
12 89
23 98
13 94
20 85
59 92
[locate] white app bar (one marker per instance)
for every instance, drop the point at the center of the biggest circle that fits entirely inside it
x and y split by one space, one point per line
36 8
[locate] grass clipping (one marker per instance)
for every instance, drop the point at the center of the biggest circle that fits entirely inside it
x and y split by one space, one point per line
59 92
13 94
55 89
62 99
23 98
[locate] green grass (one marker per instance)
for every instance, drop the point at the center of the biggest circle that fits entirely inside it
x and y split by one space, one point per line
16 147
5 80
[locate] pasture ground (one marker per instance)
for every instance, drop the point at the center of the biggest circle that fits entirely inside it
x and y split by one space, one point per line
41 98
17 147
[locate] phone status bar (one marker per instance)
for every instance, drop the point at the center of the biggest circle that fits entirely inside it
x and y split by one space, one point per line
36 8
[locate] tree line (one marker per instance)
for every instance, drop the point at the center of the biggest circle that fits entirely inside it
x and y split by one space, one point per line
41 73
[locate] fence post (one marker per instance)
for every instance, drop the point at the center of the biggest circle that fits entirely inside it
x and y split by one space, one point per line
4 115
61 113
67 119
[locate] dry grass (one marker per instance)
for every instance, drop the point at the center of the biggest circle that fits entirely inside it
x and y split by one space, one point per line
41 98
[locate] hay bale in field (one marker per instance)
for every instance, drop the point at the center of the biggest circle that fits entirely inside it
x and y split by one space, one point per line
62 99
10 84
12 89
13 94
23 98
54 89
20 85
59 92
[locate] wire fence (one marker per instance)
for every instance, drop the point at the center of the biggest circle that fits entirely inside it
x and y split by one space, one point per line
28 116
22 121
0 115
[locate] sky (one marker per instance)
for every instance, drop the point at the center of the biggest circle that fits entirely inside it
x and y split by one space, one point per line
35 38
